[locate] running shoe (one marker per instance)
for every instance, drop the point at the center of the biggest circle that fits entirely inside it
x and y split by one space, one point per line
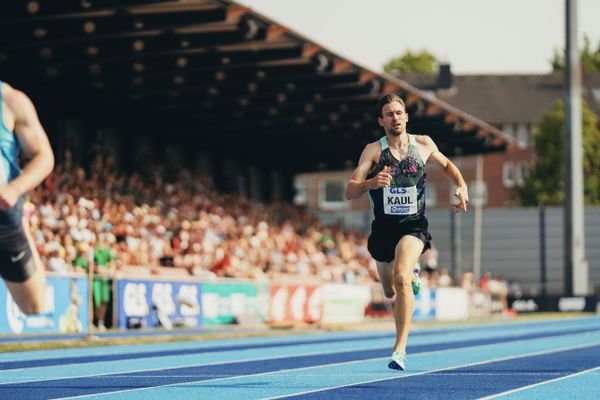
397 361
416 282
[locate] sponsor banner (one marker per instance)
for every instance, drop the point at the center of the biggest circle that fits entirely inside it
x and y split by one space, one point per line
425 304
380 305
553 303
66 308
480 304
228 302
576 303
524 304
345 302
150 303
295 303
424 307
452 304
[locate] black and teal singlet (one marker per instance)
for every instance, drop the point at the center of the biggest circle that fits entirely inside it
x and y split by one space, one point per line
9 169
16 257
404 200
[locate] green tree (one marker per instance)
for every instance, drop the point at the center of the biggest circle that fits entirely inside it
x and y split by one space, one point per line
544 184
590 59
409 62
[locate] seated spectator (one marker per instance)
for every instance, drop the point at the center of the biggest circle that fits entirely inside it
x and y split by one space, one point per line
185 223
444 279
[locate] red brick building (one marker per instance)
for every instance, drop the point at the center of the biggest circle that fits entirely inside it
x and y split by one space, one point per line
511 103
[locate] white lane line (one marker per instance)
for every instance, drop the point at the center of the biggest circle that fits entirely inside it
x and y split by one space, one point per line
28 373
540 384
33 355
564 348
222 379
439 369
242 360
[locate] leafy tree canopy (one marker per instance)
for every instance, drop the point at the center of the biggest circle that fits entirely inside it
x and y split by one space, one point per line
545 183
590 59
409 62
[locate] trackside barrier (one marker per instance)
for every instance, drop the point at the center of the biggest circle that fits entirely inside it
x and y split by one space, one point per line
148 303
224 302
452 304
345 302
480 304
66 308
426 304
424 308
160 302
298 302
553 303
380 306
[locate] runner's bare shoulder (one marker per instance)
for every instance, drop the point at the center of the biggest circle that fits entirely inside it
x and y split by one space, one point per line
422 139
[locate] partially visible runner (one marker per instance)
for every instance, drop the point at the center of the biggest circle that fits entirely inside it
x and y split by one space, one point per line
104 261
20 265
392 171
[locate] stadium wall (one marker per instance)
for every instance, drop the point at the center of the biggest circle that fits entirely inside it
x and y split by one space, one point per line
155 302
190 303
510 242
66 309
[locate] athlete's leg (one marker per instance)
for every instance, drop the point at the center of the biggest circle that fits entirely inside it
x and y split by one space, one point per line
104 299
408 250
30 294
102 316
97 295
386 276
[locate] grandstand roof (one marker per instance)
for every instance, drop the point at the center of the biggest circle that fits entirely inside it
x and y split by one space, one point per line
217 74
517 98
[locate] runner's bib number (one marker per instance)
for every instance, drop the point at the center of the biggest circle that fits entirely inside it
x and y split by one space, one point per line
400 200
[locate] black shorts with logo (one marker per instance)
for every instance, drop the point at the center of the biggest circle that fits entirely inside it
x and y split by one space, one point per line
16 258
385 236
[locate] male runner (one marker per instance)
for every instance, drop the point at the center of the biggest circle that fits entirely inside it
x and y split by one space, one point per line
20 128
392 170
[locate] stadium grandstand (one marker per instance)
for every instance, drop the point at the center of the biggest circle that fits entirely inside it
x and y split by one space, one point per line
178 127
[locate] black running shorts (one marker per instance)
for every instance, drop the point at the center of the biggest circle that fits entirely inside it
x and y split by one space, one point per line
385 236
16 258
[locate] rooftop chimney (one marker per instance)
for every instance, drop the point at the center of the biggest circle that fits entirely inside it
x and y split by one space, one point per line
445 79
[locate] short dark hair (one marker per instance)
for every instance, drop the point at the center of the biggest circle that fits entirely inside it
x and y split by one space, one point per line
386 99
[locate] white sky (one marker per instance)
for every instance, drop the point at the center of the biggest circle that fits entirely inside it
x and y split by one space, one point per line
474 36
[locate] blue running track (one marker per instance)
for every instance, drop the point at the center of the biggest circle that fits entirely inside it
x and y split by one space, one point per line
533 360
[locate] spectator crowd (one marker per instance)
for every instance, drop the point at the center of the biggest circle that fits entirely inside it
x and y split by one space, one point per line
134 223
179 220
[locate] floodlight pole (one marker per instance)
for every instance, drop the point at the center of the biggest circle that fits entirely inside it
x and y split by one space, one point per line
576 267
456 242
477 221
